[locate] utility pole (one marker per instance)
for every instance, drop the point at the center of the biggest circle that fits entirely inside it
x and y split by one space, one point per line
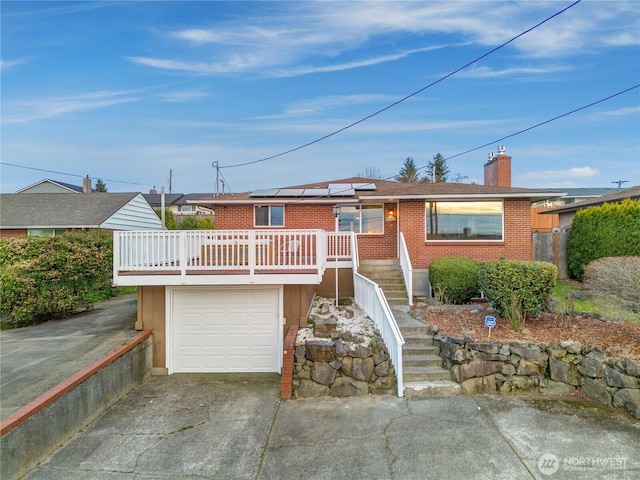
620 182
214 164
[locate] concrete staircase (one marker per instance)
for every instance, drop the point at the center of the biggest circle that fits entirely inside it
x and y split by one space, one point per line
421 363
423 374
388 275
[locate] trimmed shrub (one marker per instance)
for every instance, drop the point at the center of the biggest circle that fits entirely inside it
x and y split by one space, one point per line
516 286
455 279
616 276
53 277
610 230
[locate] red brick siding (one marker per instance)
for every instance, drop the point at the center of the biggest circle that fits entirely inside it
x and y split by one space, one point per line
516 244
287 362
410 216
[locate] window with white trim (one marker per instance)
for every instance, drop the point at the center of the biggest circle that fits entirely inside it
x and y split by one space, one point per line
364 219
268 216
46 232
464 221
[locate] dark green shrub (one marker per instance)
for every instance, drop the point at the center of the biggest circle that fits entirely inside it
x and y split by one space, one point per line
54 276
454 279
516 286
610 230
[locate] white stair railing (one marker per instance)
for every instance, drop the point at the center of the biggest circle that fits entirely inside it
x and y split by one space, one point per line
370 298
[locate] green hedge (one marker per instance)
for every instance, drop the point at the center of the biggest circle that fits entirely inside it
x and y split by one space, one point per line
610 230
528 283
44 278
455 279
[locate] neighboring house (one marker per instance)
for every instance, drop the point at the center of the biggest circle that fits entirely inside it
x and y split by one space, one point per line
179 204
221 300
48 214
54 186
567 212
548 223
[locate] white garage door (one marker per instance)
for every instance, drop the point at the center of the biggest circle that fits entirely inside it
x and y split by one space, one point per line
216 329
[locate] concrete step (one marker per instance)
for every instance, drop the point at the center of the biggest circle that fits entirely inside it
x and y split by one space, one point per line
423 374
413 350
408 330
398 301
436 388
424 360
417 339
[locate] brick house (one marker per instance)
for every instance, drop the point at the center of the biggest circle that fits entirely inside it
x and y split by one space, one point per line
223 300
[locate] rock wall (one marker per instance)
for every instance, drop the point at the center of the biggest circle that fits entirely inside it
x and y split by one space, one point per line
557 369
341 355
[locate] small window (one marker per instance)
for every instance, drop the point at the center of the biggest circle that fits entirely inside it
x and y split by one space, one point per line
186 208
464 221
46 232
269 216
364 219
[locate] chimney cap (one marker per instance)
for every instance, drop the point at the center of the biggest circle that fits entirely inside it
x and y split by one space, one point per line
502 150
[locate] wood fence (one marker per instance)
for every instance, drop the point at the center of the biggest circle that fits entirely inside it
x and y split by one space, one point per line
552 248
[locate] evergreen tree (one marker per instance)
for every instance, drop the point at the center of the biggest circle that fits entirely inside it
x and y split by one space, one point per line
101 186
438 169
409 173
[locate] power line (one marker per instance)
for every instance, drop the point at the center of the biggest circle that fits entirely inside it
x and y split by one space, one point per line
69 174
407 97
511 135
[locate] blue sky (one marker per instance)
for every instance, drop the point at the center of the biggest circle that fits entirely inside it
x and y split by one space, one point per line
127 91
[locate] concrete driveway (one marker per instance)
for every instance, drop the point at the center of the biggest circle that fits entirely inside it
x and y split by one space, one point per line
205 426
37 358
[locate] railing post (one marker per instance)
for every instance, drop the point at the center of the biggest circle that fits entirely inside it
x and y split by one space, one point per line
116 256
182 251
252 252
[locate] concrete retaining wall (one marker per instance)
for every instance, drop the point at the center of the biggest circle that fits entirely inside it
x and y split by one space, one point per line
34 432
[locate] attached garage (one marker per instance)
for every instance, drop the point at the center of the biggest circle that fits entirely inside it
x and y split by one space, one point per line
224 329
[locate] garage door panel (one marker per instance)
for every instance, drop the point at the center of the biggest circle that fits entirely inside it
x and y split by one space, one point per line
213 319
225 330
213 340
189 341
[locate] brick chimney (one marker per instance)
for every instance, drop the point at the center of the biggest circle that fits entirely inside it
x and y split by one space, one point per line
153 190
86 185
497 171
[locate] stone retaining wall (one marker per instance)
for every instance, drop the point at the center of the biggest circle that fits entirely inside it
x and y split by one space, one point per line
341 355
556 369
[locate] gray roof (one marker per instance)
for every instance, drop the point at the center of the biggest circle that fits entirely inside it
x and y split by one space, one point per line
155 199
60 210
583 191
386 189
615 197
69 186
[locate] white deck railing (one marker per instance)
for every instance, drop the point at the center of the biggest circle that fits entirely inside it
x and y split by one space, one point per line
407 269
369 297
224 251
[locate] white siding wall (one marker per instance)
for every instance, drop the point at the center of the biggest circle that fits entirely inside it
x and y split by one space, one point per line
135 215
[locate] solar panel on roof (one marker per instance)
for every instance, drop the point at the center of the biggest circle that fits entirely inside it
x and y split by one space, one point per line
290 192
267 192
341 191
364 186
315 192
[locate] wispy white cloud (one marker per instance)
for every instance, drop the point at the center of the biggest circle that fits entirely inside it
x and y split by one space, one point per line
619 112
563 177
321 105
319 31
488 72
6 64
24 111
183 96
